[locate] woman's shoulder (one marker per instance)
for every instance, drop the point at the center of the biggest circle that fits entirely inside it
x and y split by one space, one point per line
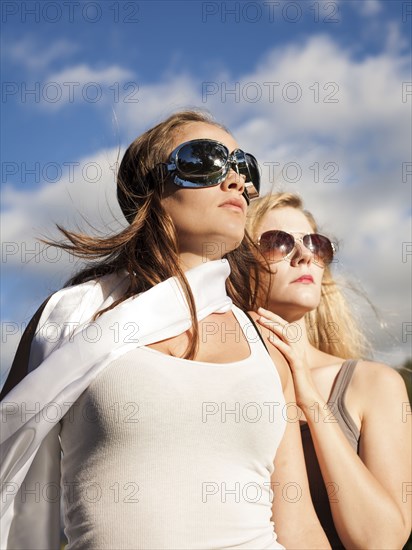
375 374
377 384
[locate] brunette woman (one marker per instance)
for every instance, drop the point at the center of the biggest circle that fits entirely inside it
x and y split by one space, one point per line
169 412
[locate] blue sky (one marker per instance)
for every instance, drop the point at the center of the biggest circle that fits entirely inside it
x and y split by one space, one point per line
319 91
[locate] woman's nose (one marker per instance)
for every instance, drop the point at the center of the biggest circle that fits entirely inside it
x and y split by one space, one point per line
234 180
301 254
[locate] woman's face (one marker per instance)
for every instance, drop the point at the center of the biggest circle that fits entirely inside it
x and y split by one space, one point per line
296 280
209 221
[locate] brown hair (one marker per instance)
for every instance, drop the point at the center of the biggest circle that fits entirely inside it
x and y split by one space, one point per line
332 314
148 248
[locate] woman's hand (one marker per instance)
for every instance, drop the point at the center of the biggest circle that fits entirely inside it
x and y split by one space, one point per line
286 337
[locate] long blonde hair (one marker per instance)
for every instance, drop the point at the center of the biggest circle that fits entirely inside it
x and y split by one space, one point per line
332 326
148 248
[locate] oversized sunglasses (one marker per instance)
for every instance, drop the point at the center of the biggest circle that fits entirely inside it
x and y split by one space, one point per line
205 163
278 245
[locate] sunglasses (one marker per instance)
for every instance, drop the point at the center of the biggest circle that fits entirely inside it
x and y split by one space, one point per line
279 245
205 163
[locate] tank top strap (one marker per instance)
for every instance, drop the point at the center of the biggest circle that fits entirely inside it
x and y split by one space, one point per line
259 353
338 394
251 332
342 380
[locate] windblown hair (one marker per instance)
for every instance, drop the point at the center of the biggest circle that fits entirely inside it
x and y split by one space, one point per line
148 248
331 327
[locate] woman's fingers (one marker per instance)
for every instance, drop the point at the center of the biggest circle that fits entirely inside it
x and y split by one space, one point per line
270 315
284 348
273 325
279 339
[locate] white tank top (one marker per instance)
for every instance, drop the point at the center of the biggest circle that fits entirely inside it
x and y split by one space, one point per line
166 453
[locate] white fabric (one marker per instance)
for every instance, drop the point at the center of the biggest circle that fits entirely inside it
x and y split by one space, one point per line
164 453
67 354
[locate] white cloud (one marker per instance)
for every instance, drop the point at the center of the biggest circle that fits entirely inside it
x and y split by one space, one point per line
86 191
34 57
76 83
84 85
157 101
367 8
83 74
395 41
319 90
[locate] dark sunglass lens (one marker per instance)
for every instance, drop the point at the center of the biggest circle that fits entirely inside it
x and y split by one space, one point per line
276 245
320 246
254 172
202 158
248 167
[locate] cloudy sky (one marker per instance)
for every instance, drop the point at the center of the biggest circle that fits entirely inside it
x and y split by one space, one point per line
320 92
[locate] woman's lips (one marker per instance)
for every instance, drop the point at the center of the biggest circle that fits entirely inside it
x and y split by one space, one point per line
235 204
306 279
233 207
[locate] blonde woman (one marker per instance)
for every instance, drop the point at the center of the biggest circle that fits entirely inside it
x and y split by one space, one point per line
354 417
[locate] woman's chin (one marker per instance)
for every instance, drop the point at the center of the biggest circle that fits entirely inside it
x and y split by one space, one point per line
231 242
292 312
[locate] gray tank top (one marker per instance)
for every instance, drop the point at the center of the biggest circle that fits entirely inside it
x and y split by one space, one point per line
319 492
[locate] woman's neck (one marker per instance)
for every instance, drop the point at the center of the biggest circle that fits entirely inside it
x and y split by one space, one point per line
314 356
189 260
300 333
297 333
